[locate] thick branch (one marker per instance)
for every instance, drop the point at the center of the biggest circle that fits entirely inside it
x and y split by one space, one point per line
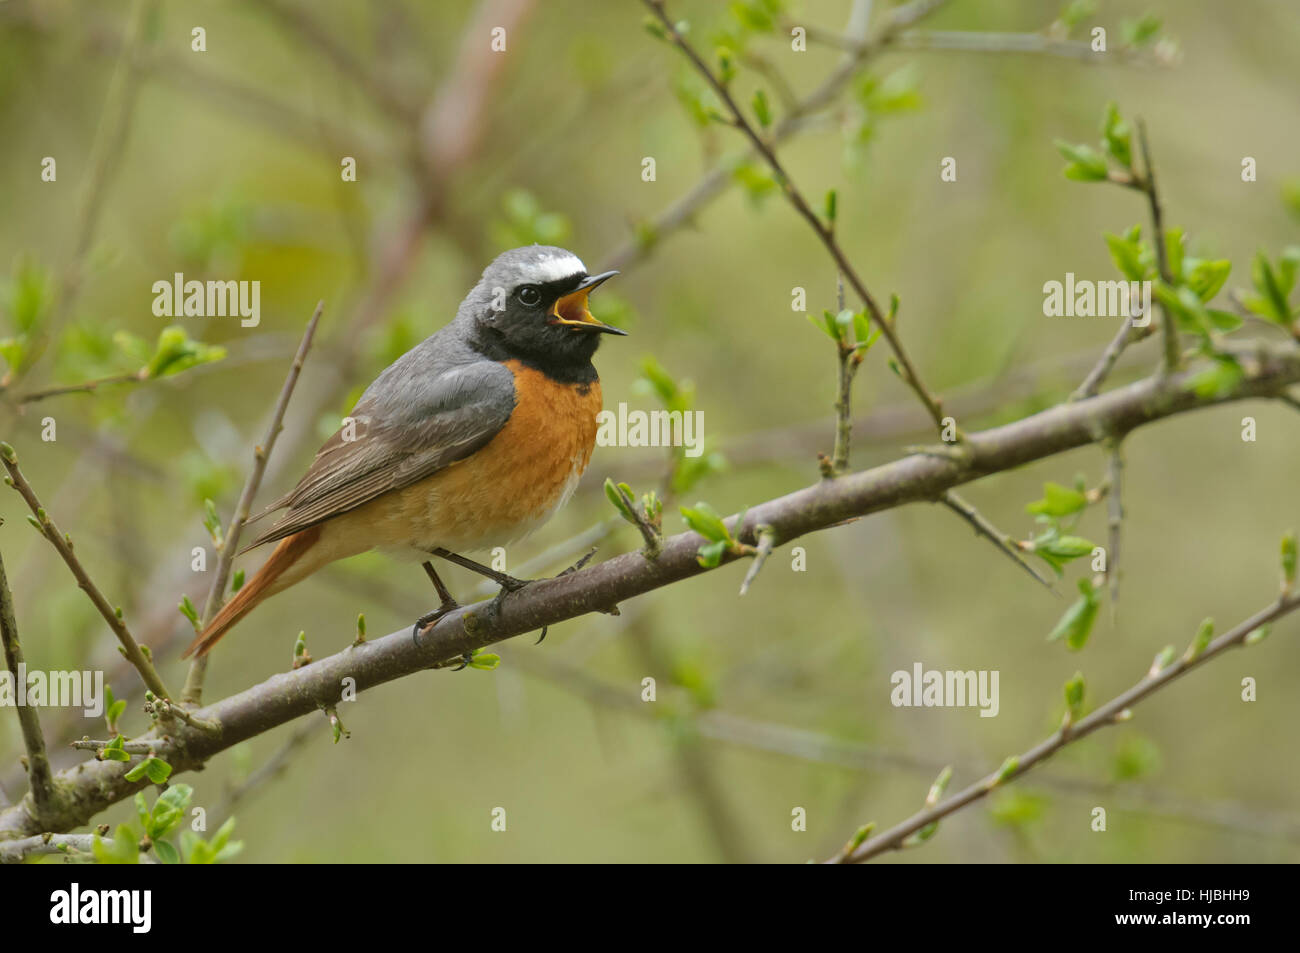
94 786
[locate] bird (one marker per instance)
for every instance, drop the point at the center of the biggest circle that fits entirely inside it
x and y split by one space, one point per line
472 439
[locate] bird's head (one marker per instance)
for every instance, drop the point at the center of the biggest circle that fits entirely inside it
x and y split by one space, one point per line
532 302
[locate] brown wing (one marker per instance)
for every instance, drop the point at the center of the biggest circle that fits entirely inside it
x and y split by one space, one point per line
395 443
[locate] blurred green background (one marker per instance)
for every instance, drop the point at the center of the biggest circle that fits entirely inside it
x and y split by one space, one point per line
226 164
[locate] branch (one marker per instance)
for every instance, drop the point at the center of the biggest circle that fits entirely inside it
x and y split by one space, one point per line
906 369
719 178
1116 710
1005 544
14 852
94 786
193 691
1148 185
44 794
63 544
86 387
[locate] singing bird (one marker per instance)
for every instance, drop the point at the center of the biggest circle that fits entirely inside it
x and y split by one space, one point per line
471 439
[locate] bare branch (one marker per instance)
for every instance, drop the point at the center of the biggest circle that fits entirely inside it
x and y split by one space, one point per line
193 692
1003 541
63 545
906 369
39 776
1116 710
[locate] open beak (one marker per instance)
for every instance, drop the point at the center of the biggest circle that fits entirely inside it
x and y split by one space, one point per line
571 310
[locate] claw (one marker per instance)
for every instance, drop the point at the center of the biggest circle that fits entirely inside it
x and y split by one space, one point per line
542 636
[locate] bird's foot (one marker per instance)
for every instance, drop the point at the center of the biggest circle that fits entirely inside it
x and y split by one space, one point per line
429 618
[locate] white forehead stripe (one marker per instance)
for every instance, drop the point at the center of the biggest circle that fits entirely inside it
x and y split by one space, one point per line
545 268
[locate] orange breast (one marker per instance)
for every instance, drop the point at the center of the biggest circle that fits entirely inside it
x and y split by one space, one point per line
516 482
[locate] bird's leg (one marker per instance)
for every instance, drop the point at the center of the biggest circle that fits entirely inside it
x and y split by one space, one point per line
448 603
507 582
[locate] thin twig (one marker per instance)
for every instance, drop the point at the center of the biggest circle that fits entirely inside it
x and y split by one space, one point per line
63 545
1114 711
87 387
15 852
1162 257
274 766
720 177
39 776
1092 383
1005 544
193 692
766 542
1115 521
147 747
906 369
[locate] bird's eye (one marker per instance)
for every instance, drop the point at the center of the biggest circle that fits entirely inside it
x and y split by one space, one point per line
529 296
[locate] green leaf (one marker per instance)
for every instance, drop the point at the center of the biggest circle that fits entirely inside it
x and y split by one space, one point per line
486 661
189 611
1139 32
710 554
1074 690
1174 252
1219 378
1127 255
1135 757
167 854
1289 559
1058 501
156 769
1271 302
1201 641
825 323
114 751
124 848
176 351
612 494
1116 137
1255 636
1075 12
705 520
1064 548
169 810
762 110
1086 163
1205 278
1164 658
832 202
1076 624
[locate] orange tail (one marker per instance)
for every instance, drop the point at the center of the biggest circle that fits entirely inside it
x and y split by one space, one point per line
273 577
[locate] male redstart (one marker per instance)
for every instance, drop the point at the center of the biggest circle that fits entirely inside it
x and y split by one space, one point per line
471 439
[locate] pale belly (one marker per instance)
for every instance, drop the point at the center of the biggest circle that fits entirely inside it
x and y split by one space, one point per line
502 492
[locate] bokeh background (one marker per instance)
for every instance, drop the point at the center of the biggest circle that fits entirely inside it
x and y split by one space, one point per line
226 164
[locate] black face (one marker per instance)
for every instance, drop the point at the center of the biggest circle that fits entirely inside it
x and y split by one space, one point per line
543 325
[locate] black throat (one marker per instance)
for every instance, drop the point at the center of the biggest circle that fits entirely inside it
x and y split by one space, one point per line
568 365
